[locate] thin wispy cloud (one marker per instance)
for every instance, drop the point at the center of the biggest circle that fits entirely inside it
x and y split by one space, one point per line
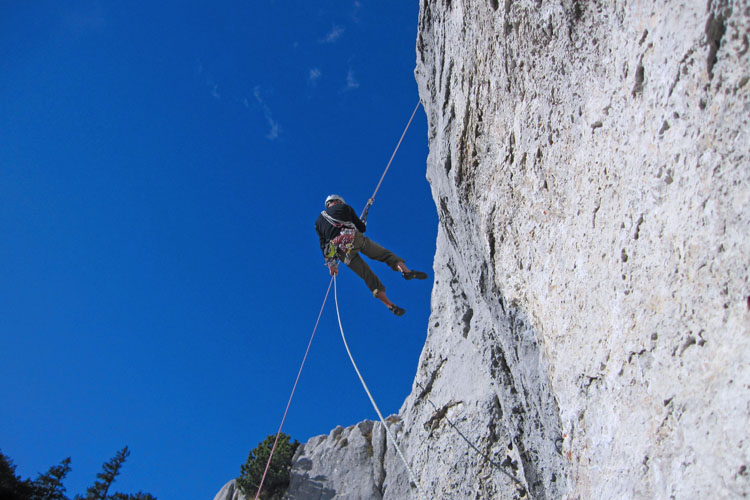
214 90
333 35
207 80
355 10
273 126
314 76
351 81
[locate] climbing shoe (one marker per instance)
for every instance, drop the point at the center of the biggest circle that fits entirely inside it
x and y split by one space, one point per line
396 310
414 275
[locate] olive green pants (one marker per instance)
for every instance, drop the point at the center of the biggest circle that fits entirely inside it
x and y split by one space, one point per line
364 245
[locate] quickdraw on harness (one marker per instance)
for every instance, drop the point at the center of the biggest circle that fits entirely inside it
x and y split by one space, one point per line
343 242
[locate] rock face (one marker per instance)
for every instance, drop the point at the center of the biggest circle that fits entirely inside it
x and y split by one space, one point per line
350 463
590 163
590 328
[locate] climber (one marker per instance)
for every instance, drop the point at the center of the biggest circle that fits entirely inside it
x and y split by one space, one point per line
340 232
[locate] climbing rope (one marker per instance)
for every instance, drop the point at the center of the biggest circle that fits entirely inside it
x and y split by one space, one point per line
369 394
294 388
372 198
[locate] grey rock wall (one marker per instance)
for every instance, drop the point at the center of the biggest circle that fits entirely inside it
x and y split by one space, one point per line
590 327
352 463
589 161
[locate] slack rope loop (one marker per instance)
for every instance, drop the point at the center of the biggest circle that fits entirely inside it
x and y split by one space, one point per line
294 388
369 395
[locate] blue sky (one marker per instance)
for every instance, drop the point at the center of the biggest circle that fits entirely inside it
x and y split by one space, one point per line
161 168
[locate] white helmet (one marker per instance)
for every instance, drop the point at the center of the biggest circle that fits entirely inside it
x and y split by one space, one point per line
334 197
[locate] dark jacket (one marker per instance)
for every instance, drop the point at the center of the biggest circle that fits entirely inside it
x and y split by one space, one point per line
327 231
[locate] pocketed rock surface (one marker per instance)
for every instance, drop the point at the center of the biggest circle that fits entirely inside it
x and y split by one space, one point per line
590 165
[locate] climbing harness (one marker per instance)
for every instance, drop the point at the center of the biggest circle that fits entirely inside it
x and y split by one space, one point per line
369 394
343 241
363 217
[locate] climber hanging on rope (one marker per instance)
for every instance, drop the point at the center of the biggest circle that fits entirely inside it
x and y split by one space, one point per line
341 239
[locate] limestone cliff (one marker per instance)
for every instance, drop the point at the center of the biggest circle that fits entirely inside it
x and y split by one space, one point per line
590 328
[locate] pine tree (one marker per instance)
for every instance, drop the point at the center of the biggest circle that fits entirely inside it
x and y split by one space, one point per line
277 477
48 486
12 487
110 470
